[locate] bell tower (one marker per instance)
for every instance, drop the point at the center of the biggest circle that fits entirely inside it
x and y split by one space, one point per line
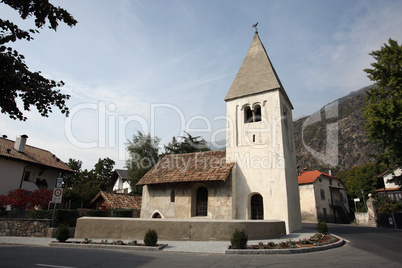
260 141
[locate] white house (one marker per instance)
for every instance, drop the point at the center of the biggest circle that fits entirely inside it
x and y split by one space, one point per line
121 184
26 167
322 197
255 178
392 190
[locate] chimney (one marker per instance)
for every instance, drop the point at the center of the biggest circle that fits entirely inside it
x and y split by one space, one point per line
20 143
330 172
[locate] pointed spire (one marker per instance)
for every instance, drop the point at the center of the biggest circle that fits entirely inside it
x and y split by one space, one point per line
256 73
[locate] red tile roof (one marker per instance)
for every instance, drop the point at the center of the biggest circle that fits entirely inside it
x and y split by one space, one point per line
310 176
202 166
388 189
124 201
31 155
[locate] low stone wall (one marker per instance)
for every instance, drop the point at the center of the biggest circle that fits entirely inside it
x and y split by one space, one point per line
175 229
24 227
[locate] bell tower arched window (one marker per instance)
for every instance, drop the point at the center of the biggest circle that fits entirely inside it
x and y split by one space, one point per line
257 113
248 115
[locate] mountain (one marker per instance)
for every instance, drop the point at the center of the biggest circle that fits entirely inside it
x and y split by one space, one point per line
344 117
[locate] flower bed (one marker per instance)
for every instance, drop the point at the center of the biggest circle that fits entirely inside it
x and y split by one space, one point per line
316 242
119 244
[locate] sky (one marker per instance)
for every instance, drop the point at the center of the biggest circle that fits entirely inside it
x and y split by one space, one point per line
164 67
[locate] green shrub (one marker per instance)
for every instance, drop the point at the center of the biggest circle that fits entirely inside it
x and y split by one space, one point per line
62 233
41 214
121 213
239 239
96 213
322 227
64 216
150 238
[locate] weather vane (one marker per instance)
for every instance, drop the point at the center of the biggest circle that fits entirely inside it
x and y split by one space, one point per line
255 26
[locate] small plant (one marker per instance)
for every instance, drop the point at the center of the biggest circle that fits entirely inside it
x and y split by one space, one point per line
86 241
322 227
62 233
261 245
239 239
271 244
151 238
118 243
105 242
133 243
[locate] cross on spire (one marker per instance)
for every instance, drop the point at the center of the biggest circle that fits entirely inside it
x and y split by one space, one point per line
255 26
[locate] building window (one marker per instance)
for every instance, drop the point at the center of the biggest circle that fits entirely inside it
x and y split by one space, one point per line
172 196
257 113
330 181
27 175
248 115
253 138
322 194
257 207
325 212
202 202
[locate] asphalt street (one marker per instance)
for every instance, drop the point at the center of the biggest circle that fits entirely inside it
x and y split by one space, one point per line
368 247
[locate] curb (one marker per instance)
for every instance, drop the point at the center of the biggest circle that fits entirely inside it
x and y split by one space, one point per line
99 246
337 244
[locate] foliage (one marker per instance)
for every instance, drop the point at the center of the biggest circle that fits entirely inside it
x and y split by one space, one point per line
40 214
84 185
322 227
40 198
239 239
150 238
143 150
64 216
362 178
103 171
383 112
18 199
189 144
17 81
62 233
97 213
386 205
121 213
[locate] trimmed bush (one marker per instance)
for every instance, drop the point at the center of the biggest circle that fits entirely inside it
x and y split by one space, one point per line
322 227
96 213
65 216
41 214
121 213
62 233
151 238
239 239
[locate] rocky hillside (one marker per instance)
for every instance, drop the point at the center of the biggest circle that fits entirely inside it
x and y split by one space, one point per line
346 115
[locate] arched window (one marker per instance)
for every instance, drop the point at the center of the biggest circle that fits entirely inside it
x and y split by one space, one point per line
248 115
257 207
257 113
202 202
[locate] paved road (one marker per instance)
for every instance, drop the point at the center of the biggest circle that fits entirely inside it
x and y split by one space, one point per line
369 247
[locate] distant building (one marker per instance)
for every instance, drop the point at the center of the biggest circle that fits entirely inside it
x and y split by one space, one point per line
392 190
255 178
26 167
322 197
107 201
121 183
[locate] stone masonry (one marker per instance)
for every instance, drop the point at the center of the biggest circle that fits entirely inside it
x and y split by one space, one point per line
24 227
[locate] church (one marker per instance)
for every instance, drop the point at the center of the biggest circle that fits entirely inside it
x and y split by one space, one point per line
255 178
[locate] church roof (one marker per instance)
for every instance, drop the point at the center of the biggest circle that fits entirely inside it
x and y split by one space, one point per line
191 167
256 74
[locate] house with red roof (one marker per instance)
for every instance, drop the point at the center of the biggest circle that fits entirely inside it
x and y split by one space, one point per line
392 190
26 167
322 197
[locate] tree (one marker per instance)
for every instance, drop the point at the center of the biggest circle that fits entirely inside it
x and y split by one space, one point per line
70 178
17 81
363 178
103 171
189 144
143 152
383 111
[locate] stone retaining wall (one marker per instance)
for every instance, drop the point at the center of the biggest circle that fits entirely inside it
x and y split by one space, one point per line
24 227
175 229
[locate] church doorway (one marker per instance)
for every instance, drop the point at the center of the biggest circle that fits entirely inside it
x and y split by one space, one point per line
156 216
202 202
257 207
